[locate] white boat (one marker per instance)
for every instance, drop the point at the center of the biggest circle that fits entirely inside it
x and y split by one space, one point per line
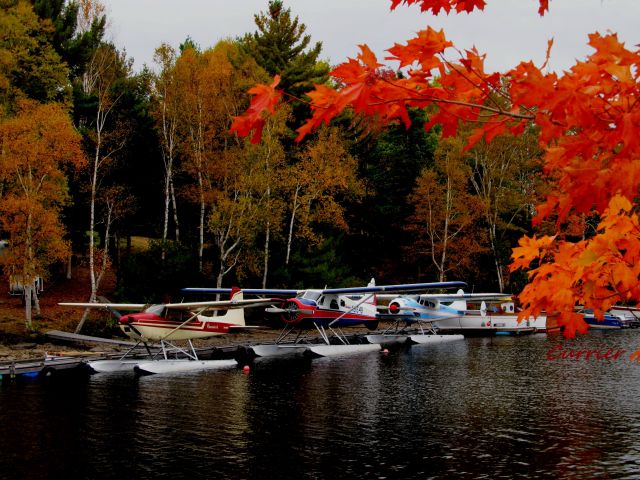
539 323
179 366
630 316
489 324
500 319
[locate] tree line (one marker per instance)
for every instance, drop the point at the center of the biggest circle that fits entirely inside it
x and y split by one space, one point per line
94 154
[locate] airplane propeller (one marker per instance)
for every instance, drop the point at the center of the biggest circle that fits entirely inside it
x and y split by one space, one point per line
292 309
395 308
127 322
290 312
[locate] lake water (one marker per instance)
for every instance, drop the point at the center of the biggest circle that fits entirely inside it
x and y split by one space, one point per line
478 408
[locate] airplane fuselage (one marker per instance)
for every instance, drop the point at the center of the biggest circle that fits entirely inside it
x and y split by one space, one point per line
314 308
416 308
157 323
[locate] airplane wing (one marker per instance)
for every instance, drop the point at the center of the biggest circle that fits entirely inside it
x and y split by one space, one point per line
117 306
273 292
214 305
399 288
452 297
474 297
223 304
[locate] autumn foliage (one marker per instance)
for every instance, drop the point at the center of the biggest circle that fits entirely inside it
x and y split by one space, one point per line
446 6
587 119
38 145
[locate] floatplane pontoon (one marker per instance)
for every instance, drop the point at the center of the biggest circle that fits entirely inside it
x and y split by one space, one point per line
411 330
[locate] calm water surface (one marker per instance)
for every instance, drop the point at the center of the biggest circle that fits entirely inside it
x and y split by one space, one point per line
479 408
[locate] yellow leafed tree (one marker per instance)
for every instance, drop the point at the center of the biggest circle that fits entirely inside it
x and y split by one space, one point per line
37 145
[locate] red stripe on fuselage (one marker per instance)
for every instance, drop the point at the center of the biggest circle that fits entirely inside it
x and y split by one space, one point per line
327 316
195 326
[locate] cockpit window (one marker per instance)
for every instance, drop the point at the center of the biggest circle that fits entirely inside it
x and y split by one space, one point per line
311 295
426 303
156 310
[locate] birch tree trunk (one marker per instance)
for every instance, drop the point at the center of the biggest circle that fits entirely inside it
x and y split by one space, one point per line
175 212
168 132
266 255
92 223
27 305
294 209
201 228
99 79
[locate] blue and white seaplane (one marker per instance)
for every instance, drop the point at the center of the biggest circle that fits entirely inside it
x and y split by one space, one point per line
449 313
170 323
327 311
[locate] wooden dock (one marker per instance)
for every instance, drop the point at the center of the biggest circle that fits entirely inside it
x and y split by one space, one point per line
77 338
50 364
44 366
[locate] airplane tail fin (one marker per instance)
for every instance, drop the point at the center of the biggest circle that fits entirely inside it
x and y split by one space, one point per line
235 315
374 300
459 304
236 294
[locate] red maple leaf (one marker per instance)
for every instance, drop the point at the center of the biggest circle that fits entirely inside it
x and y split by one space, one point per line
459 5
446 5
544 7
265 99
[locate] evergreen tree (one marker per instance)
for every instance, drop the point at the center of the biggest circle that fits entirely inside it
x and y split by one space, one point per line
281 47
74 44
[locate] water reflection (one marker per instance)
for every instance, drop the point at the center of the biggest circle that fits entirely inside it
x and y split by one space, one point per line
480 408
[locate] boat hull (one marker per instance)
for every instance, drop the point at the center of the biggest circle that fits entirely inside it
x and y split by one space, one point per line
608 322
489 325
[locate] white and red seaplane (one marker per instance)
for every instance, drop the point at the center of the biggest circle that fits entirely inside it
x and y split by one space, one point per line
327 310
169 323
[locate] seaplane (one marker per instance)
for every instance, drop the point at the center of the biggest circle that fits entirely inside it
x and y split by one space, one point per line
449 313
327 311
169 323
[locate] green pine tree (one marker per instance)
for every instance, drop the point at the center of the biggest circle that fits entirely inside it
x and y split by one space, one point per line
280 46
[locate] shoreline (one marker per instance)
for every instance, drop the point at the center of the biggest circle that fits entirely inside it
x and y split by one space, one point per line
38 345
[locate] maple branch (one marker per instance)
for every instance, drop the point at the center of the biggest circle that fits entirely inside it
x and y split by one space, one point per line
433 99
482 79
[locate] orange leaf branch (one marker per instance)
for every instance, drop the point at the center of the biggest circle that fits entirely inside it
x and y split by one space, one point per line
435 6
